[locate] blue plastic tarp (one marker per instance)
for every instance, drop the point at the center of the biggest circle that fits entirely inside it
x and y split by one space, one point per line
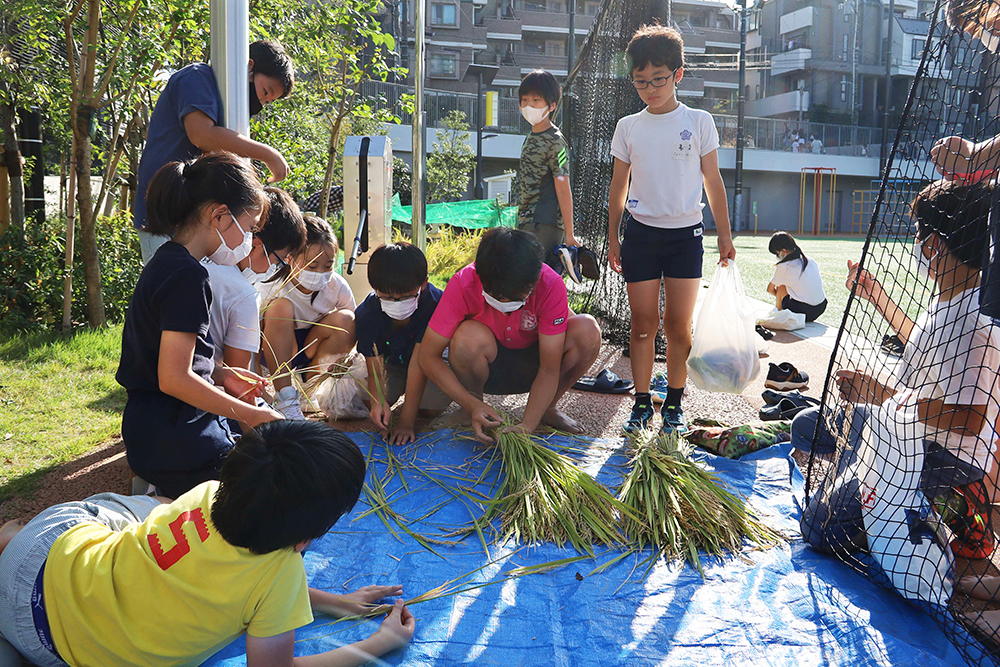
784 606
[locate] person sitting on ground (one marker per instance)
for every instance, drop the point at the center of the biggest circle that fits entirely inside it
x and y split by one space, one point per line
796 284
391 323
139 580
175 424
308 315
545 199
946 382
506 322
187 121
235 319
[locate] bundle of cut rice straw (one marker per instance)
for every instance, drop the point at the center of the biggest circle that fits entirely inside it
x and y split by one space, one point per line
680 508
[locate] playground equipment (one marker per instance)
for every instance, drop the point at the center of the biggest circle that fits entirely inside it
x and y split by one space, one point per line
818 174
367 206
894 214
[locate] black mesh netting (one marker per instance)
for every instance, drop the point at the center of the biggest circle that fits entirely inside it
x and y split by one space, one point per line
900 481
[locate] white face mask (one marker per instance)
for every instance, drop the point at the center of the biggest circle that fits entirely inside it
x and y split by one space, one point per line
534 115
313 280
503 306
400 310
255 277
226 256
923 263
990 40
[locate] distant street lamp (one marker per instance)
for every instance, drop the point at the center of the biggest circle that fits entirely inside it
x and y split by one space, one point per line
483 75
741 10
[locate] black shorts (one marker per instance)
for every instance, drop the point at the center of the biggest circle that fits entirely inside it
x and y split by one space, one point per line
651 253
551 237
513 371
811 312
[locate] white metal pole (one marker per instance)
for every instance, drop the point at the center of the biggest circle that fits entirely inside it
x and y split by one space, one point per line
230 54
418 153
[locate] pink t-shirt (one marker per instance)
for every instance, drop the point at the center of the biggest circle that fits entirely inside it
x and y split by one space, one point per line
545 311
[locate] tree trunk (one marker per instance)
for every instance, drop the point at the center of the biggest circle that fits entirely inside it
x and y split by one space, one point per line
85 212
331 161
15 170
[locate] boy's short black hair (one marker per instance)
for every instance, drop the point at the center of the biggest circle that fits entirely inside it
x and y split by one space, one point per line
285 227
541 83
655 45
286 482
270 59
508 262
397 268
959 214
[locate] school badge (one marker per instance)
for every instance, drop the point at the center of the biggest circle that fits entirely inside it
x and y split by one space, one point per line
529 321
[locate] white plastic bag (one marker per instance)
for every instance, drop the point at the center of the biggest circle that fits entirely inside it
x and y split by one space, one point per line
339 394
784 320
724 352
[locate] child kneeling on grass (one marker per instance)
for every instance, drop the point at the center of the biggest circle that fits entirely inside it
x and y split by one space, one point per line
506 322
175 424
391 323
307 313
128 580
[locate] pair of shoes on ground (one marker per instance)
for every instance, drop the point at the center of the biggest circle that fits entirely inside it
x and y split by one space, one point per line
642 416
784 404
785 376
578 262
892 345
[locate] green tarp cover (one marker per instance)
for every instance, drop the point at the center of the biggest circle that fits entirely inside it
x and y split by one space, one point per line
476 214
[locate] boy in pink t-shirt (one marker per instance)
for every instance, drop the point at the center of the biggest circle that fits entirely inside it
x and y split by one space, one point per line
508 328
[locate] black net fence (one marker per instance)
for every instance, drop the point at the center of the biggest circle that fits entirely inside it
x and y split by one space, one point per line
901 479
899 482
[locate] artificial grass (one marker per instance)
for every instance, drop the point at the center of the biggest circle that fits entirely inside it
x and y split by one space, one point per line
58 401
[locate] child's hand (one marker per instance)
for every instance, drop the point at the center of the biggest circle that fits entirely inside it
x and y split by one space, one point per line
571 241
953 155
727 251
264 415
868 287
243 384
855 386
402 434
397 628
518 428
358 602
615 255
278 167
484 417
380 414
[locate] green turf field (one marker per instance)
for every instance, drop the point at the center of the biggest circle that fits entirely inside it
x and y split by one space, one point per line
757 266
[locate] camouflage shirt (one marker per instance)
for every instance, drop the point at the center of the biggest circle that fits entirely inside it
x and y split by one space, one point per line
544 156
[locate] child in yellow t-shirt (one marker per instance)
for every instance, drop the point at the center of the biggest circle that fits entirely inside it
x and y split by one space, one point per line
130 580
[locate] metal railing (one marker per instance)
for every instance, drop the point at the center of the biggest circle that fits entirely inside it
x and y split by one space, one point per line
762 133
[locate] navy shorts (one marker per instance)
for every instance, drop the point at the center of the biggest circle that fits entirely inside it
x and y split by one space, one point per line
301 360
811 312
513 371
651 253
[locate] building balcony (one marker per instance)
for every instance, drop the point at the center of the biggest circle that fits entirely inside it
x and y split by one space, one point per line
790 61
780 105
797 20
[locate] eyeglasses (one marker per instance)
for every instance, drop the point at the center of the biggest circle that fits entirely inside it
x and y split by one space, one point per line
281 263
657 82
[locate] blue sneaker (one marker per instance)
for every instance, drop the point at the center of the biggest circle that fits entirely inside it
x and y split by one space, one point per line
570 261
658 387
673 420
642 415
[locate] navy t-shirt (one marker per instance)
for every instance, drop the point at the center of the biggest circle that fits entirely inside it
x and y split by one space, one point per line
192 88
377 336
173 294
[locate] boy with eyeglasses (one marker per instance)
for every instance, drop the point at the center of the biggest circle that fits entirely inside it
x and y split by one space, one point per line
390 325
671 152
234 322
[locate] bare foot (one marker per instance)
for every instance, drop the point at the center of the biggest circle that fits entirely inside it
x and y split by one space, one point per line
561 422
987 621
8 531
454 419
982 588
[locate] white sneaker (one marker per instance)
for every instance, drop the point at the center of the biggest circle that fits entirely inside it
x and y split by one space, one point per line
287 403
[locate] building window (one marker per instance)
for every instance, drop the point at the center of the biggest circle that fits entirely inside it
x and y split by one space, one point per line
917 49
444 65
444 14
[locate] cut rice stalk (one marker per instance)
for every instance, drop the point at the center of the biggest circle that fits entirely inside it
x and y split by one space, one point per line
683 508
544 497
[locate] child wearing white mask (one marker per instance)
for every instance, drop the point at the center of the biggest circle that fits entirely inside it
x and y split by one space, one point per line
307 317
545 200
235 321
391 324
175 425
